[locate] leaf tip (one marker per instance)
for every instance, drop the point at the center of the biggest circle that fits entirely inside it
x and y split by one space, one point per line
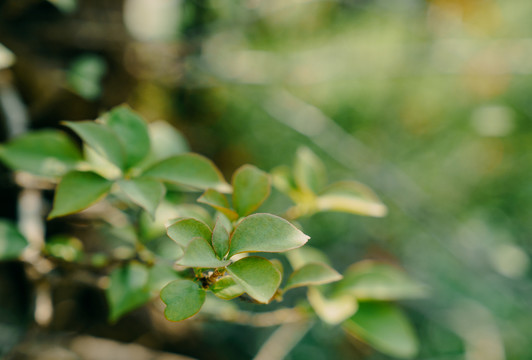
224 188
52 215
378 210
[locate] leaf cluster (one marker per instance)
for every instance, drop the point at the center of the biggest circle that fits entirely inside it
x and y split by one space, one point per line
306 184
126 158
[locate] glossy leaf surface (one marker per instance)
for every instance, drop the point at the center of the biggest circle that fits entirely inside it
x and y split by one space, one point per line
257 276
77 191
183 231
191 170
199 253
226 288
266 233
183 299
220 239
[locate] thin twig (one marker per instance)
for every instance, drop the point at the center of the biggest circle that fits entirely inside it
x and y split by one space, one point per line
265 319
283 340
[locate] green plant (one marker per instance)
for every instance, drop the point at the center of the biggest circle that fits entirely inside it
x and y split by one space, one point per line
144 174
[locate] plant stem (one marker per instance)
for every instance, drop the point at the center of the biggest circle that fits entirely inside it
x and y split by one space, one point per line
283 340
265 319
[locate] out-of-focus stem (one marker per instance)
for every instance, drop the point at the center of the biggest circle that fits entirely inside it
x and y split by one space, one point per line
12 106
43 304
266 319
30 205
283 340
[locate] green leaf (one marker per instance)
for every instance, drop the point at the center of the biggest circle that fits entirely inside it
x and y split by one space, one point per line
304 255
183 231
226 288
182 211
47 153
278 265
283 180
99 164
12 243
257 276
332 310
127 290
77 191
199 253
165 142
219 202
191 170
169 213
384 327
309 172
228 224
351 197
251 187
220 239
369 280
312 274
65 6
165 248
132 132
67 248
147 193
265 233
85 74
101 139
183 299
160 275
